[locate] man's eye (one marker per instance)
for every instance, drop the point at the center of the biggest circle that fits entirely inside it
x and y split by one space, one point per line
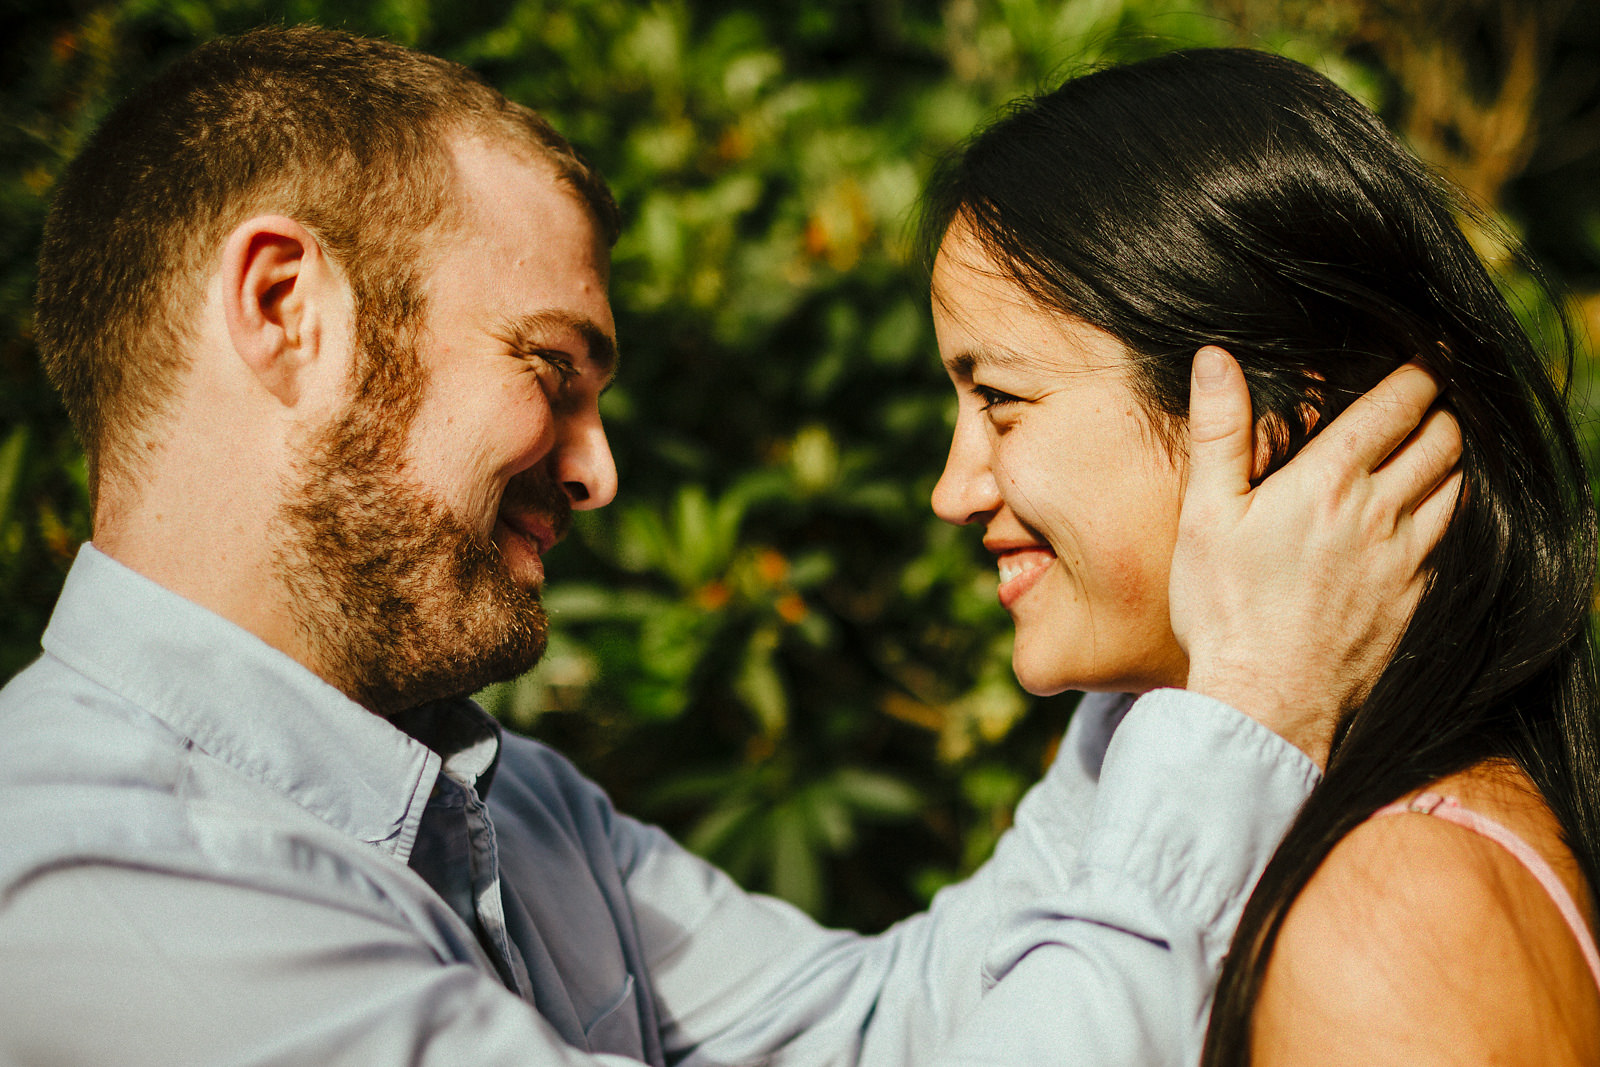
558 361
992 398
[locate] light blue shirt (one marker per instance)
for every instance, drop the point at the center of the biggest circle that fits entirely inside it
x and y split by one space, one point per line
210 856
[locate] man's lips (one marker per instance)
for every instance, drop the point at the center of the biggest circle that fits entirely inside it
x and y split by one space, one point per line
536 511
1020 568
537 530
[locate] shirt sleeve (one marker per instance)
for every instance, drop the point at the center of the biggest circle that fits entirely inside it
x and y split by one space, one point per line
1092 936
180 970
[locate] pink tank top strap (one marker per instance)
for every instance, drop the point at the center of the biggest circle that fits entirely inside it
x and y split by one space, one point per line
1450 809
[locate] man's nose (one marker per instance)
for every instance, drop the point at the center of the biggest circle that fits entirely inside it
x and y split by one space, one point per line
584 465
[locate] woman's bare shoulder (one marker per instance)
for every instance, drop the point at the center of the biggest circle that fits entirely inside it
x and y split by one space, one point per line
1419 942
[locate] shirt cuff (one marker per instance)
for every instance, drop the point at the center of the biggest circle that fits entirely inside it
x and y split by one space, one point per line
1193 799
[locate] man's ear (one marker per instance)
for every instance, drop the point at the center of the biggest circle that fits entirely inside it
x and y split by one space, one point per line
276 289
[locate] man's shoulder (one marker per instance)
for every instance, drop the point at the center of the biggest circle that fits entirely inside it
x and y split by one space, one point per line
61 728
83 772
88 777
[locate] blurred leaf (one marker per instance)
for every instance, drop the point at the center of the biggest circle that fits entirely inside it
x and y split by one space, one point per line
796 874
876 794
759 685
720 825
587 603
815 457
12 451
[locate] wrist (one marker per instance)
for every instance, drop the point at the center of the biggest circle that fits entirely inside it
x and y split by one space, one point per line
1269 701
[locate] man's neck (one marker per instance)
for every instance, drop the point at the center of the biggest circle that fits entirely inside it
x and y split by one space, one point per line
213 555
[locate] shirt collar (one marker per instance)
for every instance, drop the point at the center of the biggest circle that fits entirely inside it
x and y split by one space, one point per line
258 710
463 735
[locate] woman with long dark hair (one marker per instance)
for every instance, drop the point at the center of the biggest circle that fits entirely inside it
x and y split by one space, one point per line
1435 898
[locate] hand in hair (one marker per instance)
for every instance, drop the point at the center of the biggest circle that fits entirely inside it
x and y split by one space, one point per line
1290 596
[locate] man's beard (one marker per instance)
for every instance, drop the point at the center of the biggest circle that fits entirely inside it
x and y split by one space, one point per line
398 600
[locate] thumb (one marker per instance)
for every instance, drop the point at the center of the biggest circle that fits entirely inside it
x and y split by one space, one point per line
1221 438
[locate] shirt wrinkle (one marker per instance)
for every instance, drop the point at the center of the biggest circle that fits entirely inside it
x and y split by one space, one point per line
271 719
345 890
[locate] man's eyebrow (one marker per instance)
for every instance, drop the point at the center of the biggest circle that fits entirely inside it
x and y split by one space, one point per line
536 330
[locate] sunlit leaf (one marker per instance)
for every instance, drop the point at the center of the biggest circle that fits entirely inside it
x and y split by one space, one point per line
876 793
721 824
12 451
796 872
759 684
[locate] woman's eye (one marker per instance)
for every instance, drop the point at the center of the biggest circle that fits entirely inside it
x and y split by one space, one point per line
992 398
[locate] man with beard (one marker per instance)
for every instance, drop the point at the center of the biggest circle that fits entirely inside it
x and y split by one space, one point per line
331 319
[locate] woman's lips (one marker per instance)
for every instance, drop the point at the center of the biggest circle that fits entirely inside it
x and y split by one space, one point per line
1019 570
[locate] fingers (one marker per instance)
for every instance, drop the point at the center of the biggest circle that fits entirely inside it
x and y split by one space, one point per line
1430 518
1221 437
1378 421
1426 459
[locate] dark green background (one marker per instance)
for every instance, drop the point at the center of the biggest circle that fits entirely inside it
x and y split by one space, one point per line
768 643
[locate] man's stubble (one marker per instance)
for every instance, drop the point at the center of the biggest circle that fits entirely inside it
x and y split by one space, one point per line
398 600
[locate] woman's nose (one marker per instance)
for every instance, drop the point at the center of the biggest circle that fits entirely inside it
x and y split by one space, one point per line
967 490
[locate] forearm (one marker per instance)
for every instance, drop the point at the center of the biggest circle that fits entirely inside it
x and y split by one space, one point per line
1120 968
1097 926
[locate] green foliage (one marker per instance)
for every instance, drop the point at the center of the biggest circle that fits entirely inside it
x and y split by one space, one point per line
769 644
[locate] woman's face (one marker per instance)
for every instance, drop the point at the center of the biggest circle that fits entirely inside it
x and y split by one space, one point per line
1054 455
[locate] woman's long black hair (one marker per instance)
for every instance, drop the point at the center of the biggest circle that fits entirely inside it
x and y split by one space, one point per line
1236 198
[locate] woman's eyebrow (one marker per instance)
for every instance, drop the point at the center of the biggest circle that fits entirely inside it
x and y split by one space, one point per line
962 363
538 329
967 360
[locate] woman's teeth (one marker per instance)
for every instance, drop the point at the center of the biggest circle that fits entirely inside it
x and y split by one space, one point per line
1011 568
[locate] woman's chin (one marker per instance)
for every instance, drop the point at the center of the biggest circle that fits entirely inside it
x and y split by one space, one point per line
1047 658
1044 672
1042 676
1043 689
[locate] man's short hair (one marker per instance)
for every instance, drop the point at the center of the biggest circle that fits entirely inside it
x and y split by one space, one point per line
347 135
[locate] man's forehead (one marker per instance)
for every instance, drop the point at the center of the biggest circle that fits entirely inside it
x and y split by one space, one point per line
513 218
488 167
